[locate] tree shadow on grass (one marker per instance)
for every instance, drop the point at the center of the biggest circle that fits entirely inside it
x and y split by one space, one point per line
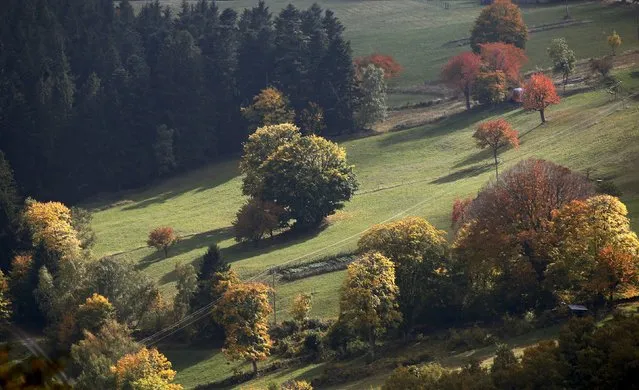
187 244
472 171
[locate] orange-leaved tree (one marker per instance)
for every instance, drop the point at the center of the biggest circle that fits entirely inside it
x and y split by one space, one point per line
146 369
499 22
162 238
458 215
244 311
387 63
494 135
461 73
368 303
539 93
504 57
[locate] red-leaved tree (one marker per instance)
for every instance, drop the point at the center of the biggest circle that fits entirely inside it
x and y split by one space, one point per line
494 135
539 93
458 216
391 67
461 72
505 57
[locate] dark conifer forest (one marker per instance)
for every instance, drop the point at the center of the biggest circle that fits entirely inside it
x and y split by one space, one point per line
95 97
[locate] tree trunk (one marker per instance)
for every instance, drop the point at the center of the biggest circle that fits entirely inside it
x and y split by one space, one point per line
543 116
254 363
467 96
496 164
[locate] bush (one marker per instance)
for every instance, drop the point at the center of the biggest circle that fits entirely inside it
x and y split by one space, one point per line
312 344
514 326
601 66
469 338
296 385
608 187
161 238
255 219
355 348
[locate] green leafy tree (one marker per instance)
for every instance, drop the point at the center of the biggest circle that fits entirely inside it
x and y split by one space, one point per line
317 169
81 223
418 251
186 286
270 107
563 58
499 22
490 87
368 303
372 106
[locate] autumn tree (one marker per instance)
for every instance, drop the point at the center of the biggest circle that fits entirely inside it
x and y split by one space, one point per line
255 219
458 215
418 251
317 170
94 313
490 87
614 41
387 63
94 355
504 57
594 251
244 311
257 149
496 134
499 22
269 107
5 302
539 93
81 222
512 214
296 385
425 377
311 119
145 370
301 306
162 238
372 107
368 303
461 73
563 58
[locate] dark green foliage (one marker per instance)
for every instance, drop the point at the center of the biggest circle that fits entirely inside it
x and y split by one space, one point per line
9 209
81 222
96 98
608 187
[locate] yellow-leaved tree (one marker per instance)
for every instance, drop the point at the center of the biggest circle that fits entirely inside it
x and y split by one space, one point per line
5 303
593 251
147 369
301 307
368 303
418 250
614 41
50 224
244 311
269 107
94 313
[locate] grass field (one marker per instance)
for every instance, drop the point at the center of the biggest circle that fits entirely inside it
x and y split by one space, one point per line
415 31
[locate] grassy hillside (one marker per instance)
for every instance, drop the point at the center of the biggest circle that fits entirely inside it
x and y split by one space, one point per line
416 31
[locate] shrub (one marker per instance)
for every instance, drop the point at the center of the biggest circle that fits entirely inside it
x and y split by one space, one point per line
602 66
312 344
162 238
515 326
255 219
296 385
608 187
301 307
469 338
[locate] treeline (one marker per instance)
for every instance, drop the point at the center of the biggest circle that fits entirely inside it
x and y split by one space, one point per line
97 98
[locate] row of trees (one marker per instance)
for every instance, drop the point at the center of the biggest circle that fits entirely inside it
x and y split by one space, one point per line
99 98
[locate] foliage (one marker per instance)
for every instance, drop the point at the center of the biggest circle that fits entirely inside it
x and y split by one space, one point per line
563 58
316 168
496 134
255 219
186 287
469 338
512 214
94 355
257 149
301 307
614 41
602 65
162 238
595 252
608 187
269 107
311 119
539 93
94 313
415 378
372 106
145 370
81 223
461 72
500 56
5 301
163 150
369 297
499 22
51 225
30 373
244 311
296 385
387 63
10 204
418 251
490 87
458 215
